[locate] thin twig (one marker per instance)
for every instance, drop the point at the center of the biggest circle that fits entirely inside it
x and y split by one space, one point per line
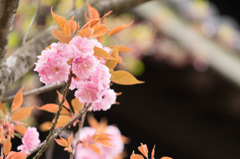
32 22
54 123
79 115
78 133
35 91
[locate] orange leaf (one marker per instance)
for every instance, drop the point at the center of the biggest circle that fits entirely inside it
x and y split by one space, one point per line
70 138
92 121
60 36
119 28
77 105
63 120
18 100
99 52
102 139
99 30
52 108
7 146
62 142
16 155
87 32
164 157
111 63
86 17
19 128
2 108
143 149
73 25
95 148
93 13
136 156
91 23
122 48
45 126
21 113
124 78
60 97
153 152
62 23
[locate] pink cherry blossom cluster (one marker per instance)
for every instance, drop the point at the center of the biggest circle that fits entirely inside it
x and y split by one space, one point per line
84 151
91 76
30 140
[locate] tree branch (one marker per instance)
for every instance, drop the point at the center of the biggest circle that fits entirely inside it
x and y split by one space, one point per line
79 115
7 14
35 91
15 66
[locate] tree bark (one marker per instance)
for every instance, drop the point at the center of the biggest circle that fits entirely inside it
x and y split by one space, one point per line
15 66
8 10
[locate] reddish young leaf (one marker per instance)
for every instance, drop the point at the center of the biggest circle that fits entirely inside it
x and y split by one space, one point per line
19 128
77 105
86 17
73 25
60 36
93 13
21 113
136 156
16 155
87 32
99 52
91 23
153 152
7 146
60 97
2 108
112 63
18 100
70 138
62 23
52 108
92 121
63 120
45 126
122 48
102 139
143 149
95 149
62 142
99 30
124 78
119 28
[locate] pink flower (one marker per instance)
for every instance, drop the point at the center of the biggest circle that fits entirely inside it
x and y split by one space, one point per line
82 47
51 67
30 140
62 50
84 67
96 43
106 102
88 92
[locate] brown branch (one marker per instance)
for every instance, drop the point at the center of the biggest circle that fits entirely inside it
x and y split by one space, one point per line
15 66
7 14
79 115
35 91
55 120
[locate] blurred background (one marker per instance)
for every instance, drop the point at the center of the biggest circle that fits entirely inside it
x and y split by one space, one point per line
188 54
